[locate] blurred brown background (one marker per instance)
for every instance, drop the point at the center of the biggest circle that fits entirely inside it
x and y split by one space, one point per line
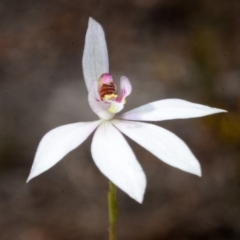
168 49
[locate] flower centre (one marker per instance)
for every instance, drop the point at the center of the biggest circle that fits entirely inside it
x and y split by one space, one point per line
107 87
107 91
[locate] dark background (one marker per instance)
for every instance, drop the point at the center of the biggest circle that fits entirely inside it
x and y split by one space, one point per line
168 49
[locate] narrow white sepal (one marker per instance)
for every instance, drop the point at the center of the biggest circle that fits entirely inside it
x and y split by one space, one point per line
95 54
161 143
117 162
59 142
169 109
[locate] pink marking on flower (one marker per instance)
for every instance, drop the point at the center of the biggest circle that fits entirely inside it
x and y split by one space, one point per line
120 98
106 78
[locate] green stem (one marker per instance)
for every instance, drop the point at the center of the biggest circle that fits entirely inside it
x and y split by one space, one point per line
112 209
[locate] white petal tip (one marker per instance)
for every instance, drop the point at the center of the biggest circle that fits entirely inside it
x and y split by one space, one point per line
199 174
29 179
92 21
138 194
197 171
218 110
139 199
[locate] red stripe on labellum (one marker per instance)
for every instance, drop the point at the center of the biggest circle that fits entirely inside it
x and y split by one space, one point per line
107 89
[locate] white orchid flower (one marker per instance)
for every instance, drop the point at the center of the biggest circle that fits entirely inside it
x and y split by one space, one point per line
110 151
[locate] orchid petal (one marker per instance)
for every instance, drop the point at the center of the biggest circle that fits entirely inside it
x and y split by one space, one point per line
169 109
59 142
125 85
116 161
95 55
161 143
99 107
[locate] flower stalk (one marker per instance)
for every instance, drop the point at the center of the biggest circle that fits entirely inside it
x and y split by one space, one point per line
112 209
